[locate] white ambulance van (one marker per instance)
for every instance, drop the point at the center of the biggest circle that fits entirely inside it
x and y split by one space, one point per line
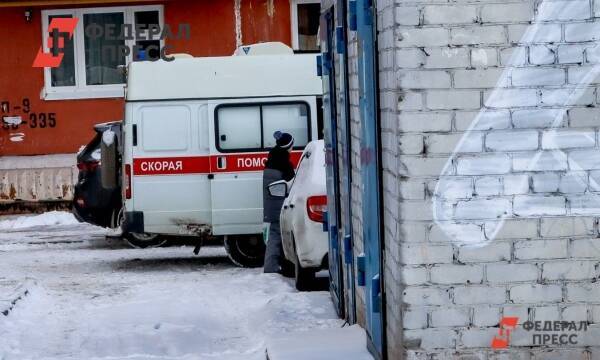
197 132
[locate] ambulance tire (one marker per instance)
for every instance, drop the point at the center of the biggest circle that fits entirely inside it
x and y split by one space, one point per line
245 250
144 240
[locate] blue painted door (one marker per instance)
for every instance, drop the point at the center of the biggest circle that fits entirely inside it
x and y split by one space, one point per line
331 160
345 141
371 261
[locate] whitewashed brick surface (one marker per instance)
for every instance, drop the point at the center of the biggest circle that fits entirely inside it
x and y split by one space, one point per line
490 116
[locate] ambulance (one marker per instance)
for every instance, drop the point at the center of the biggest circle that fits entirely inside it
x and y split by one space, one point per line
196 135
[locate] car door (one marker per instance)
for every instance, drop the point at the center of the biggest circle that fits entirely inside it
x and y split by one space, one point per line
287 211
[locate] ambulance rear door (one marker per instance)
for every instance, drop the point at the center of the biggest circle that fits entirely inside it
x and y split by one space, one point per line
170 182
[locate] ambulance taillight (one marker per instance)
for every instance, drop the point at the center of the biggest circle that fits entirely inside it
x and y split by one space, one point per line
127 181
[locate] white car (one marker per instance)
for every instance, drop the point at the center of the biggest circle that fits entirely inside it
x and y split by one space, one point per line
305 244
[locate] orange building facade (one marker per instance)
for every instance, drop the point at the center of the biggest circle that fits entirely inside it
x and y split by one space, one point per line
212 33
57 109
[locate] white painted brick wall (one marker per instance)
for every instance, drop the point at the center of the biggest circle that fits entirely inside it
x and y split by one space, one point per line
545 183
471 35
535 293
564 10
585 248
538 76
456 274
438 58
425 122
486 316
415 319
538 118
568 139
512 140
483 165
516 184
520 195
495 251
540 249
571 54
425 80
484 58
450 317
420 37
488 120
569 270
424 296
447 143
488 186
468 295
507 13
541 55
479 78
425 254
567 226
453 100
510 273
453 14
512 229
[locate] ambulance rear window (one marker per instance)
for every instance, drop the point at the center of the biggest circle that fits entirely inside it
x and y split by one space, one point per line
250 127
165 128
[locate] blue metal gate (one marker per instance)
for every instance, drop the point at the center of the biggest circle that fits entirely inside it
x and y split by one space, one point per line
370 263
345 143
336 279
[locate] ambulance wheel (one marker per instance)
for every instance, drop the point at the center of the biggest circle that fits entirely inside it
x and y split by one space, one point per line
144 240
245 250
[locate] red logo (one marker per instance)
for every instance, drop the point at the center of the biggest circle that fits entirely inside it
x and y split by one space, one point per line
507 324
59 29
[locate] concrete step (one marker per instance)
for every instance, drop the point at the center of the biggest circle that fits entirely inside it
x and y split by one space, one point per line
347 343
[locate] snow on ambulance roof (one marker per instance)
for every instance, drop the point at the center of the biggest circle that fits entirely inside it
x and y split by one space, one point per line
224 77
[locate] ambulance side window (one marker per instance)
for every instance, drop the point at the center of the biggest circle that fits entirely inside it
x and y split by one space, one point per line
250 127
238 127
165 128
290 118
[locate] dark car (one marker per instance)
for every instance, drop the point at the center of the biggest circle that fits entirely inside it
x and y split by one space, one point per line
92 202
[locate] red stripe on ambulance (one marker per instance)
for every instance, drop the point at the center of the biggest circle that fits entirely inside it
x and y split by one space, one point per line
205 164
168 166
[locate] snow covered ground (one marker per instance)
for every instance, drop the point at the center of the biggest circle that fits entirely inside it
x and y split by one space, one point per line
90 298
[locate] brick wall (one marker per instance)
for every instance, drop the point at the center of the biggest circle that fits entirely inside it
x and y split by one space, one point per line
388 94
496 180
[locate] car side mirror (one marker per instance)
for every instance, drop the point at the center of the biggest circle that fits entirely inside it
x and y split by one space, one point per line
278 189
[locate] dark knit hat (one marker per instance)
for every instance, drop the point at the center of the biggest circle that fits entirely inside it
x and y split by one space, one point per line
283 139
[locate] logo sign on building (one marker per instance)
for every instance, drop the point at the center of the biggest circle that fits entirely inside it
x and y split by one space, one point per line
543 333
60 29
502 340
